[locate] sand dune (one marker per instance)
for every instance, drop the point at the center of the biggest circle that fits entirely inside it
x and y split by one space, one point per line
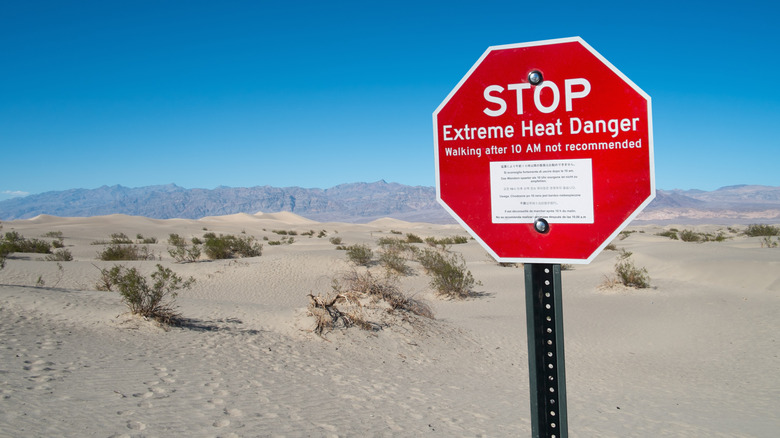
695 355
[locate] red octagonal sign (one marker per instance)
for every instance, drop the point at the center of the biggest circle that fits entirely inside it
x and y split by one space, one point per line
544 152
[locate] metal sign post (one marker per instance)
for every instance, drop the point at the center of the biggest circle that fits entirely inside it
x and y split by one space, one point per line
545 350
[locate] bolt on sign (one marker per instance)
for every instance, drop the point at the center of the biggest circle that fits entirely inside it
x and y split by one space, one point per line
544 152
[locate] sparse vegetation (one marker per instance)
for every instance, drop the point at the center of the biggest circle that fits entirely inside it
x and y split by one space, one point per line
445 242
288 240
627 274
125 252
767 242
625 233
393 260
59 255
413 238
59 240
690 236
395 244
154 300
181 251
120 238
336 240
449 276
12 241
693 236
229 246
360 254
760 230
145 240
670 234
286 232
364 301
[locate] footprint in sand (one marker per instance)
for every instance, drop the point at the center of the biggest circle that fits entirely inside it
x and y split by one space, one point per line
222 422
136 425
234 412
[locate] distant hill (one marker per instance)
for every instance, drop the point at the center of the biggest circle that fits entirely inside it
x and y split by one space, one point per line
360 203
727 205
356 202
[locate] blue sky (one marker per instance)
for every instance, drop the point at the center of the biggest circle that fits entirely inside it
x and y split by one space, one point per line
314 94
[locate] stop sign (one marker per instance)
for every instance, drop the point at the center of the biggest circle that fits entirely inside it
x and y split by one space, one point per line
544 152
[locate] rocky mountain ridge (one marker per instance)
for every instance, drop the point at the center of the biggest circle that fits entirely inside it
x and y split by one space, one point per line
360 202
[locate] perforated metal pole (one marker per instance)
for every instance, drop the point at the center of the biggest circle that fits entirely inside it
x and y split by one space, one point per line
545 350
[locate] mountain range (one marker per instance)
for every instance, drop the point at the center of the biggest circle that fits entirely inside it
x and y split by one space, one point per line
360 202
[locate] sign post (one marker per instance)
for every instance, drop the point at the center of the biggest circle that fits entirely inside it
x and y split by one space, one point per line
544 153
546 368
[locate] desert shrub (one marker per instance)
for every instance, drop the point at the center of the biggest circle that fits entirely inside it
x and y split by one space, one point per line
229 246
610 247
758 230
395 244
335 240
358 298
108 277
146 240
154 300
217 247
690 236
628 274
393 260
15 242
413 238
389 241
720 237
59 240
449 276
670 234
429 259
122 252
444 242
322 234
385 289
59 255
120 238
359 254
460 240
768 242
181 251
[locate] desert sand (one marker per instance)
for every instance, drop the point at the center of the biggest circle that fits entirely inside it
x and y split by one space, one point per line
694 355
